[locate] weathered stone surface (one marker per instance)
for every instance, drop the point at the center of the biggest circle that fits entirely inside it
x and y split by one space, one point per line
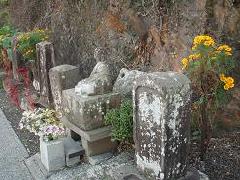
61 78
45 61
87 112
124 82
98 147
99 82
52 154
162 123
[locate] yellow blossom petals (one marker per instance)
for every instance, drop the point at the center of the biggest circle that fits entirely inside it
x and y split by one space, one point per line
203 40
194 56
185 63
228 81
226 49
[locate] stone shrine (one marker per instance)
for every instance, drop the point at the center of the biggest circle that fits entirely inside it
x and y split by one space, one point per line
162 123
84 107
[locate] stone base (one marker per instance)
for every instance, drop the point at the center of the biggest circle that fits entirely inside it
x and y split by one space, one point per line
91 136
98 147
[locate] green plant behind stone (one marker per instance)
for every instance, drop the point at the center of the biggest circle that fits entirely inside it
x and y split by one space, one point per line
121 120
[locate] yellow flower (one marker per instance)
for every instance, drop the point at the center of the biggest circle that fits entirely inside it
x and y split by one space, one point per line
185 62
225 48
228 81
194 56
203 40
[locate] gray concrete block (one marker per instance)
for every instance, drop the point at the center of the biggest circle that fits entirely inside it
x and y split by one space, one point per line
52 154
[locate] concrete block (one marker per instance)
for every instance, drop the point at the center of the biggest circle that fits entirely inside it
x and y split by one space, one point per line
52 154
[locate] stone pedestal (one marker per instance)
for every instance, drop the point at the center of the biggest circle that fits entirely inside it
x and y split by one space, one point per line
94 142
52 154
45 61
87 112
162 124
61 78
98 147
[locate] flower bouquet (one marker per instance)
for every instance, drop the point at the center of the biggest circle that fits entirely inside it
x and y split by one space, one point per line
42 122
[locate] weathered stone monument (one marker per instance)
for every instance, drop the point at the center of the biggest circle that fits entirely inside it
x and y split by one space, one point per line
45 61
162 123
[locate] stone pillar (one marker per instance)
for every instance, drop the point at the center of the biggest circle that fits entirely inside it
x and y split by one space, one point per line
61 78
162 123
45 61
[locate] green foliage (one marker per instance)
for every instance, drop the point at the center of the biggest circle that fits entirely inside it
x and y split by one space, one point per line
4 2
121 120
27 42
6 35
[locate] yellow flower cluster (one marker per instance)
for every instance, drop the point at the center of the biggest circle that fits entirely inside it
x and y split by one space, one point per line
28 52
192 57
204 40
225 48
24 36
228 81
39 30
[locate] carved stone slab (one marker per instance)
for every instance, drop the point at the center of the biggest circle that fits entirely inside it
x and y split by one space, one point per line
45 61
162 123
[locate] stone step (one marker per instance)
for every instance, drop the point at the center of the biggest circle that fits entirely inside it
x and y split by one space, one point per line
73 151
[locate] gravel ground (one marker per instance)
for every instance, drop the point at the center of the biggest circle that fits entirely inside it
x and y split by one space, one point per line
222 161
29 140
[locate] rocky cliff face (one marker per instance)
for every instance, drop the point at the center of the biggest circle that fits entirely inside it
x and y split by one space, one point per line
148 35
155 34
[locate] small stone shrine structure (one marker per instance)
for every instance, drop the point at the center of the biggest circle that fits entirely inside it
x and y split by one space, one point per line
84 107
45 61
162 123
